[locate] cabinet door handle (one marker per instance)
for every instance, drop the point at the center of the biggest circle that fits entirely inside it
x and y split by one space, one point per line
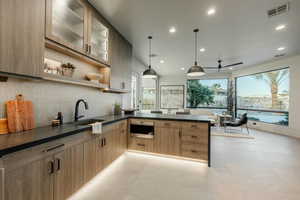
167 124
104 143
55 147
194 151
141 145
195 137
194 126
180 135
57 164
50 167
90 49
87 48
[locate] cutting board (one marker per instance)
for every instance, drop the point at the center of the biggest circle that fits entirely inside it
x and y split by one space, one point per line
20 115
3 126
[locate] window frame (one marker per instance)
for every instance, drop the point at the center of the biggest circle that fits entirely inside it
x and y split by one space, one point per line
259 110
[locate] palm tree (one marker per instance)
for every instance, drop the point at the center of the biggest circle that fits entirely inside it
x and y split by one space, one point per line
199 94
274 80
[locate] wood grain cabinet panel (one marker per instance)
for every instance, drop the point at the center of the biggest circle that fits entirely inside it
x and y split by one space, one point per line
167 141
69 176
141 144
90 162
32 181
22 24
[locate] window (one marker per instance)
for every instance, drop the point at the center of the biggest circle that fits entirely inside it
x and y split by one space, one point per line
264 96
210 93
171 96
134 80
149 88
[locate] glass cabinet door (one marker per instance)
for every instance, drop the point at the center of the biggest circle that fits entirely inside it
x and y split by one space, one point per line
99 39
67 23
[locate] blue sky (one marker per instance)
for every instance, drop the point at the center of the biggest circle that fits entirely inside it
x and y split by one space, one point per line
250 86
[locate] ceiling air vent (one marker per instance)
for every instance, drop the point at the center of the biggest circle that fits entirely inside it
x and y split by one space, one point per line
279 10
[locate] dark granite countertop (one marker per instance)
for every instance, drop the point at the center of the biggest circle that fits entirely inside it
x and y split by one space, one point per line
10 143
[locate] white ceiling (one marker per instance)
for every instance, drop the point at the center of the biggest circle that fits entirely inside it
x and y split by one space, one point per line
239 31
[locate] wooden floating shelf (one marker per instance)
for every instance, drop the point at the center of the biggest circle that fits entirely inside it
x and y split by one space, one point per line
69 80
115 91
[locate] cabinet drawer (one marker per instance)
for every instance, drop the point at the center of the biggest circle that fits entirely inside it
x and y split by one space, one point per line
196 138
194 147
141 122
195 132
168 124
141 144
195 154
195 126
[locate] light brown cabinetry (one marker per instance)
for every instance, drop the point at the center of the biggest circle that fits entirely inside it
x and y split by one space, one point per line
195 140
32 181
141 144
22 25
69 172
167 138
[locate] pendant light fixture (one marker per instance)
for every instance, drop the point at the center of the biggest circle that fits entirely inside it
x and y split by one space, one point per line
150 73
196 70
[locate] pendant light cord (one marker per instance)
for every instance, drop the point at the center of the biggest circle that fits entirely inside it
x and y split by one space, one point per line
196 45
150 52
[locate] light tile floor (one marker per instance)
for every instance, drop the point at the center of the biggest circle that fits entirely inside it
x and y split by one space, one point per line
264 168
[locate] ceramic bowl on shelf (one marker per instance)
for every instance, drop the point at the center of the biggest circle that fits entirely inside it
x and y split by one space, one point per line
94 77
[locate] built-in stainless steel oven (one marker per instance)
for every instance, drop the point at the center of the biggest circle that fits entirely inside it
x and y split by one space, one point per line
142 129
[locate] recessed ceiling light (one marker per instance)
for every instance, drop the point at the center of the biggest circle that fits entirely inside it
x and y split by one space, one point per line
202 49
230 68
280 27
281 48
182 68
162 61
172 30
211 11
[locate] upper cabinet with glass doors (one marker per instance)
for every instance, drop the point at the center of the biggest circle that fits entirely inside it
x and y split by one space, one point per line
98 38
74 24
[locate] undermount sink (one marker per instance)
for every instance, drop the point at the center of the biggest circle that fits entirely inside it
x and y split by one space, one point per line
88 122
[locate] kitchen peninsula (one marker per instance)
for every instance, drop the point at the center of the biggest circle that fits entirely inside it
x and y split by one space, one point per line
44 159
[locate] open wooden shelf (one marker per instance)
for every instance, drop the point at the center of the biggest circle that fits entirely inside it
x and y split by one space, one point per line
115 91
68 80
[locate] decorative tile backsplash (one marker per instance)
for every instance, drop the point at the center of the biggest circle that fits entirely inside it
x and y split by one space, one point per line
51 97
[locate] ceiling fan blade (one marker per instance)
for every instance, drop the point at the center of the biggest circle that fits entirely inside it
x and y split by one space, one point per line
235 64
210 67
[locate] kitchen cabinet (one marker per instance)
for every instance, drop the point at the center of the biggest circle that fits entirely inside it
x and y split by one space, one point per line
91 159
120 62
32 181
78 26
53 172
66 23
195 141
69 172
22 25
140 144
98 38
167 138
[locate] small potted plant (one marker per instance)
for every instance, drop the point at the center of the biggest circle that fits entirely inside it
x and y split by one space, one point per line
68 69
117 109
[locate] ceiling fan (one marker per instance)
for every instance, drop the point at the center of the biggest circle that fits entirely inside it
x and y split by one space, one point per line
220 66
